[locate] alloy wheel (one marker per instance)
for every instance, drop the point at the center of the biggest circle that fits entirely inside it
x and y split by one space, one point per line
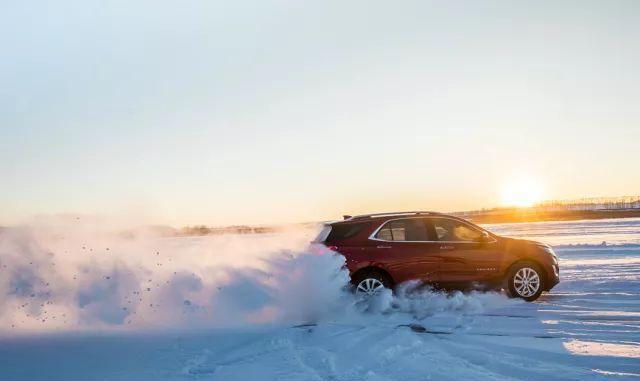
526 282
369 286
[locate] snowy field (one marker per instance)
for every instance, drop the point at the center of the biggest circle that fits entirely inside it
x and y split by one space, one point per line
78 302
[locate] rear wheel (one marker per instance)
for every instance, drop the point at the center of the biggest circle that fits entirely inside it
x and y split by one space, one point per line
370 283
525 281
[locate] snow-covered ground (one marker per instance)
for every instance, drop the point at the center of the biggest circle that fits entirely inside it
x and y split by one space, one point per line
239 308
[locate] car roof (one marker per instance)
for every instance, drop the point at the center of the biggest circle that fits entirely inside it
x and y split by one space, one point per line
380 216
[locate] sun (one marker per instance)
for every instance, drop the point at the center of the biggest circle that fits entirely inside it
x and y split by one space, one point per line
521 192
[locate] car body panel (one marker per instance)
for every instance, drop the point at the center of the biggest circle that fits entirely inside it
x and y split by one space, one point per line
440 262
469 261
412 260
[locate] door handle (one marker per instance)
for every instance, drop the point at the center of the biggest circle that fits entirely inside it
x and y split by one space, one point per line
383 247
447 247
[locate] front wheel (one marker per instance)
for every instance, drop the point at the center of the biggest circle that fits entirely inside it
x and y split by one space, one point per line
524 281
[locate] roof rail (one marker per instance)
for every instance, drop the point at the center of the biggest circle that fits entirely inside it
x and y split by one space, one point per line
390 214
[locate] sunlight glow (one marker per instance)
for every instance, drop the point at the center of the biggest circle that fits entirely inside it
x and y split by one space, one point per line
521 192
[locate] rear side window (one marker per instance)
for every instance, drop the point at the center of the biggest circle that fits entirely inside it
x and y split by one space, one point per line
324 233
408 229
340 232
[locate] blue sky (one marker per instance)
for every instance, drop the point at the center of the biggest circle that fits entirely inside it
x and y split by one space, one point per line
276 111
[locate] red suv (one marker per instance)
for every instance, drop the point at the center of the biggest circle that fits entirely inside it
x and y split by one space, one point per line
383 250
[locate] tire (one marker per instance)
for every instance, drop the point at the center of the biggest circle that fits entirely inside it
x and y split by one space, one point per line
525 280
370 282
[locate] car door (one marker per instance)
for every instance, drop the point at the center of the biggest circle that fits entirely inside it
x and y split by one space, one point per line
465 254
407 250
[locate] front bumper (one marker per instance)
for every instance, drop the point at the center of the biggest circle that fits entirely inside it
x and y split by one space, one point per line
553 278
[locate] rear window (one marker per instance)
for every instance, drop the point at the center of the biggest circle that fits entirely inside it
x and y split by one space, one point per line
340 232
324 233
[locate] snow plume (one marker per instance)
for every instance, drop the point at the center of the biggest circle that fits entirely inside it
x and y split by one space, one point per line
413 298
417 301
72 275
76 275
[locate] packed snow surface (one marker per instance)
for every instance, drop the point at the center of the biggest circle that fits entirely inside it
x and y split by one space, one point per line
80 301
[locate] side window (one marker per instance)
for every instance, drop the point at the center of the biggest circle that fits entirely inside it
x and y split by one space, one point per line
451 230
344 231
407 229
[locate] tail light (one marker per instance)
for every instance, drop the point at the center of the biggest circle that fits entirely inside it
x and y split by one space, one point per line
320 249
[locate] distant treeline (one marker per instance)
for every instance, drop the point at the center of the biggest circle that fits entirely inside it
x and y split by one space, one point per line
553 210
206 230
534 215
559 210
592 203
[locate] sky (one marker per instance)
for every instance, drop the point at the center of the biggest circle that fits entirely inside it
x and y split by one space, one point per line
258 112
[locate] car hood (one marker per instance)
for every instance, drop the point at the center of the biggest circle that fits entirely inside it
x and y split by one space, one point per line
524 242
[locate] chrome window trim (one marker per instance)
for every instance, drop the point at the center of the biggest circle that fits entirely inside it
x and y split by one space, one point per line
372 236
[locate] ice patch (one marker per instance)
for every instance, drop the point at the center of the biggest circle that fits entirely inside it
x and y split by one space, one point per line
592 348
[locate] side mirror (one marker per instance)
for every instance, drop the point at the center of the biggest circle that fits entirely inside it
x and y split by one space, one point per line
485 237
